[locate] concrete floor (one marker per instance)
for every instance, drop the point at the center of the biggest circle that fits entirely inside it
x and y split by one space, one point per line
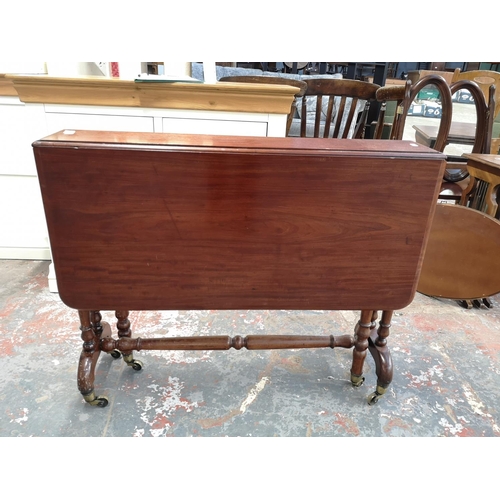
446 373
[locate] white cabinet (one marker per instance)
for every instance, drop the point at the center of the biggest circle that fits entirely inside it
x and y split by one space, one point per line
172 121
23 231
116 123
20 125
219 123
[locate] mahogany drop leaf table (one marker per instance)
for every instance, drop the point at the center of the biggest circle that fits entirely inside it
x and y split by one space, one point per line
144 221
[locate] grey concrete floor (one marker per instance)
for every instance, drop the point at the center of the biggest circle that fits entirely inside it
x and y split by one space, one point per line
446 373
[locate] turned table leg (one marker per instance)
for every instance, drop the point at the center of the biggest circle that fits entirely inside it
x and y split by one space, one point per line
361 335
88 359
377 344
124 331
97 338
102 330
96 318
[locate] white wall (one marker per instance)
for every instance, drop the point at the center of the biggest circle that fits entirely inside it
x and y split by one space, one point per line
34 68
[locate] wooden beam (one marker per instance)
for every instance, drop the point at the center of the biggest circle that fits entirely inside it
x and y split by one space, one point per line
222 96
6 86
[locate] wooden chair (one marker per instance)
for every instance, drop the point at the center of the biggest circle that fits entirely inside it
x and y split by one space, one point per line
456 177
400 96
276 80
335 108
484 170
416 75
406 94
484 79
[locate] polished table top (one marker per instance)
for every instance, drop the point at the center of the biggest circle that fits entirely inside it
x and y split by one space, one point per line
223 222
488 162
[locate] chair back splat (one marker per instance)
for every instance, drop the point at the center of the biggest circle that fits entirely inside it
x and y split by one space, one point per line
447 110
400 95
485 79
484 113
457 186
335 108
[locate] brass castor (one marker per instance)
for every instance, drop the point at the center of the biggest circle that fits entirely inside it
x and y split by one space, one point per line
93 400
357 380
137 365
134 363
116 354
375 396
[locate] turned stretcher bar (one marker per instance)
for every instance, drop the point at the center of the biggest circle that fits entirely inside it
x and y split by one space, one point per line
142 221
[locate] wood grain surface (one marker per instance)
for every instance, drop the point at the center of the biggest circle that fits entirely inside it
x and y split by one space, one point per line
152 221
461 260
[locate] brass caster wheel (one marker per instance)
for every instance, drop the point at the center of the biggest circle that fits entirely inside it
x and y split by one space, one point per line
136 365
116 354
101 401
357 380
373 398
466 304
93 400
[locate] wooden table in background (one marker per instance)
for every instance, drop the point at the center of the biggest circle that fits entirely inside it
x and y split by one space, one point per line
460 133
485 181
